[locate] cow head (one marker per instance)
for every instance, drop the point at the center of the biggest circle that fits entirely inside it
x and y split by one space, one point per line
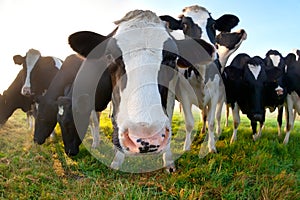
28 62
227 43
275 67
141 57
44 125
254 79
65 119
196 22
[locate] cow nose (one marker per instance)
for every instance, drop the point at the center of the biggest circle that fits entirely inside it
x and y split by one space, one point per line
258 117
279 90
26 91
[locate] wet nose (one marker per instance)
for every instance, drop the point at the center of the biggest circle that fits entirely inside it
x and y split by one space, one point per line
26 91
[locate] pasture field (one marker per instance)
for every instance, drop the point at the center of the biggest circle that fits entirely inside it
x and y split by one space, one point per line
265 169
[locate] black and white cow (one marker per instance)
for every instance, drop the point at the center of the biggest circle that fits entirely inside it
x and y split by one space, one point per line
33 79
250 87
293 85
141 57
65 119
38 71
275 61
46 118
196 22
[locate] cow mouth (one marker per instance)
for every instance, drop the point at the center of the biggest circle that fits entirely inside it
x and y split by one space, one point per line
132 144
279 91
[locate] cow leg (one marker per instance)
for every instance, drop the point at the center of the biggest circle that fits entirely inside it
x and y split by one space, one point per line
236 122
189 124
94 126
226 115
118 160
211 126
204 119
168 160
258 135
254 131
279 120
290 119
218 117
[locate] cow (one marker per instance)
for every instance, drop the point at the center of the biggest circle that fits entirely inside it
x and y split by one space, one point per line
292 81
46 117
38 71
65 119
275 61
196 22
32 80
249 85
58 96
141 57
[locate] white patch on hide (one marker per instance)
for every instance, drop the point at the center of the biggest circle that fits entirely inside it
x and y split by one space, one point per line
255 70
275 60
61 110
141 45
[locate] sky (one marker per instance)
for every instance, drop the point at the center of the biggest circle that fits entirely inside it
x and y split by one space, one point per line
46 24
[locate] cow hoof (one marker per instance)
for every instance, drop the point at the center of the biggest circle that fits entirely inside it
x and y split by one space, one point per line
285 141
170 169
233 139
213 151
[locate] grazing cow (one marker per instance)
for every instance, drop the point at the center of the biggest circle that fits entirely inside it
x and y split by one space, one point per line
48 113
12 99
46 118
292 81
65 119
196 22
141 57
248 82
32 80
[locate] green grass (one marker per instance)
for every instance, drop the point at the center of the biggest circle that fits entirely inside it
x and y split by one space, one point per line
265 169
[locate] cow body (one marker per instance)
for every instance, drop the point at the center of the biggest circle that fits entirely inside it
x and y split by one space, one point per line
249 84
196 22
31 81
47 109
292 81
141 57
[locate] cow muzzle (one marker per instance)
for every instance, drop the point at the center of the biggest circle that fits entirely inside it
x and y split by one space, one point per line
140 143
279 91
26 91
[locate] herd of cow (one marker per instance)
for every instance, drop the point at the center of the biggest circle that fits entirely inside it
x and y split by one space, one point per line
145 69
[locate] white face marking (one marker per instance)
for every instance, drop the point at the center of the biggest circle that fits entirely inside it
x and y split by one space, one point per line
199 18
32 57
275 60
58 62
255 70
61 110
142 56
294 51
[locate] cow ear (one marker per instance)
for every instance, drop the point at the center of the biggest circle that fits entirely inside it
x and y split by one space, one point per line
84 42
18 59
226 22
194 51
172 23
